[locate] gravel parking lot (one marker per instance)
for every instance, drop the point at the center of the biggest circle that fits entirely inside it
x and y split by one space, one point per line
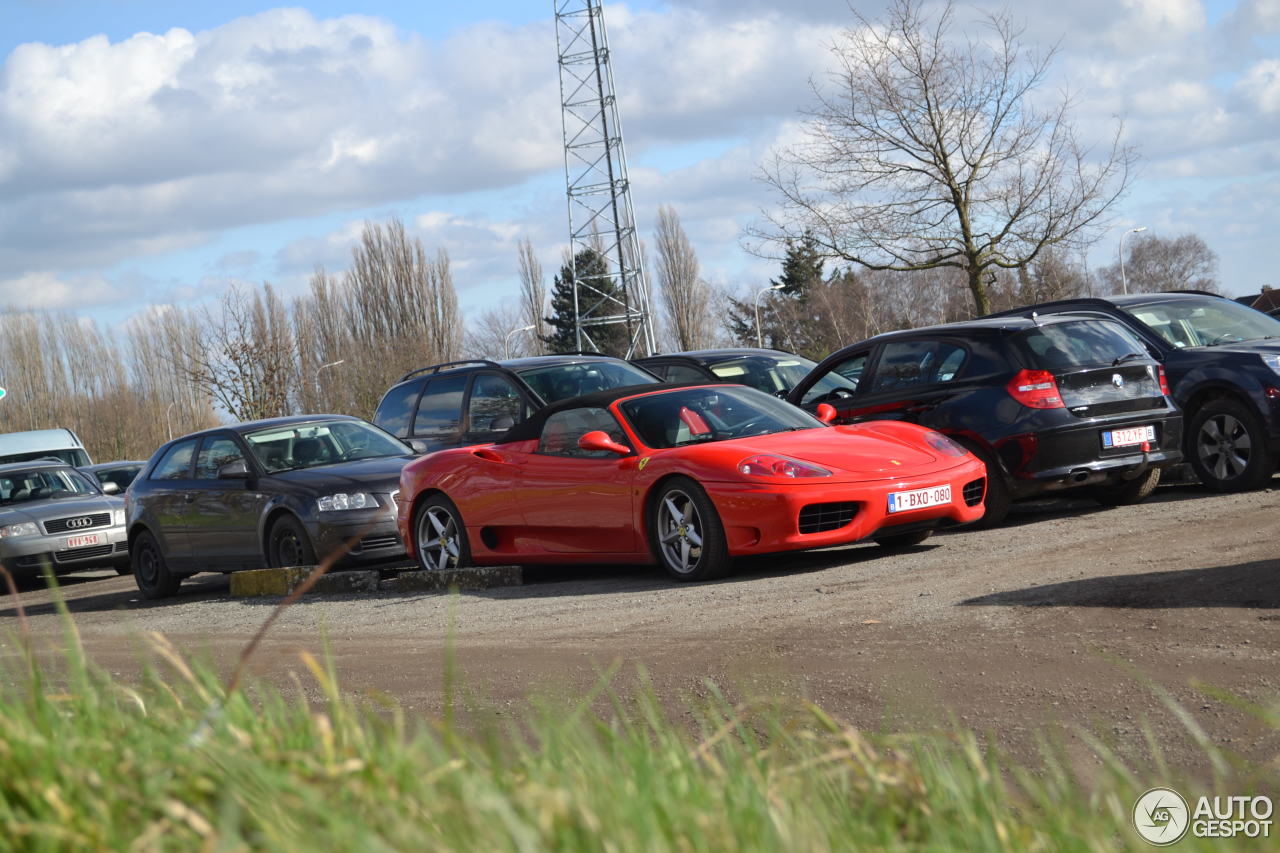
1069 618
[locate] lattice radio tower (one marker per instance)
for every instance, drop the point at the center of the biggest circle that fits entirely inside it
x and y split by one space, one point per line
599 192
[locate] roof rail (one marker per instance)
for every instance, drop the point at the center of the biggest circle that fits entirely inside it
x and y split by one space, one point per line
436 368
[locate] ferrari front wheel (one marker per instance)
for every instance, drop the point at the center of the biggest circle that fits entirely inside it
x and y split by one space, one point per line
685 532
440 539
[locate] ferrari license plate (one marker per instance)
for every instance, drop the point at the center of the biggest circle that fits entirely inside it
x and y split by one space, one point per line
1128 437
82 541
919 498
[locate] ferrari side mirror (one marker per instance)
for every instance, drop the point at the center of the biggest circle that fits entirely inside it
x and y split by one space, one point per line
826 412
599 440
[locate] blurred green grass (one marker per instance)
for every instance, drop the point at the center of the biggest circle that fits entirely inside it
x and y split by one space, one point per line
176 761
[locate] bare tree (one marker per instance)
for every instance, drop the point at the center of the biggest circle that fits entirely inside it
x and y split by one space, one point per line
495 334
1153 264
243 356
684 294
927 152
533 297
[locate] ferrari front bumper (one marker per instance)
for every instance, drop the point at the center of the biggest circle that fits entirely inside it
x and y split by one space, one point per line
765 518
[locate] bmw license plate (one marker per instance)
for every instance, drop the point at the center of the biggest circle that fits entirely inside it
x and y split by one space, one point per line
919 498
1128 437
82 541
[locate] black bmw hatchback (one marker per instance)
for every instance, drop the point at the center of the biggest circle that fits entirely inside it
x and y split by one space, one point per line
1051 404
279 492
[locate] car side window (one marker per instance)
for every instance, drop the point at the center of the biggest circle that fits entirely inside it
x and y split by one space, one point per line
176 464
683 373
495 406
440 409
395 412
214 453
562 430
841 381
906 364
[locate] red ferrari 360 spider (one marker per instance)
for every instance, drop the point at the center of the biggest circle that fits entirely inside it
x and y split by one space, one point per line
689 476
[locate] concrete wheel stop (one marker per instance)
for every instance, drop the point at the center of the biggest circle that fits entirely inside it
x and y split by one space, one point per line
257 583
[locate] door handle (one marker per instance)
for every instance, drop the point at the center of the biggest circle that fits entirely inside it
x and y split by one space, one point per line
920 409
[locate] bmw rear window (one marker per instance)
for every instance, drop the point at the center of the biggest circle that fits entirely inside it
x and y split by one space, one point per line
1077 343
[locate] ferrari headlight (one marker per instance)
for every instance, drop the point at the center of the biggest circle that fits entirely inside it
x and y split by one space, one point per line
768 465
26 528
343 501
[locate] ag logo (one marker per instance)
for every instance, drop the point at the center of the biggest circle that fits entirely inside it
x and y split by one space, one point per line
1161 816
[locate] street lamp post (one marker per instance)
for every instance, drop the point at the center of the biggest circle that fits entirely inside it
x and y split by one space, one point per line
1124 285
323 366
775 286
168 422
506 342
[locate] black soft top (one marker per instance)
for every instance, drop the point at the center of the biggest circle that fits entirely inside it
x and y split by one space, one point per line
532 426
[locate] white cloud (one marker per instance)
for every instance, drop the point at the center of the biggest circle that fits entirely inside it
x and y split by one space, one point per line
156 143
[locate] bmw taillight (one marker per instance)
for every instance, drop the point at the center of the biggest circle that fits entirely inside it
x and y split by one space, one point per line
1035 389
768 465
1164 380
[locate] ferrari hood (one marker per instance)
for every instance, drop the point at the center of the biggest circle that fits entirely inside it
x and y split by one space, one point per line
859 450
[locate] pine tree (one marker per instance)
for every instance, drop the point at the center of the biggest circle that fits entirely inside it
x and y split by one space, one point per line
787 321
609 339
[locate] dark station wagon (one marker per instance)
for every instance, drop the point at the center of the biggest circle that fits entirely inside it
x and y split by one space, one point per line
460 403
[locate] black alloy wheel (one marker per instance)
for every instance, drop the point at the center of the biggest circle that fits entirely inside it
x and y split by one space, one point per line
151 570
288 544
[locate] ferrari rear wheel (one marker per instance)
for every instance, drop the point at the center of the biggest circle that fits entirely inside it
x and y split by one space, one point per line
439 535
686 534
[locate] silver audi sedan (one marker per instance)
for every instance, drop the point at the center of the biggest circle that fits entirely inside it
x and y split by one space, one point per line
52 514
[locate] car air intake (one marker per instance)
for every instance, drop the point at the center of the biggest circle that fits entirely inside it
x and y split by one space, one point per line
816 518
82 553
62 525
373 543
973 491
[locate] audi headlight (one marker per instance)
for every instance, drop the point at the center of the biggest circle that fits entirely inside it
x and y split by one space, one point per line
26 528
117 517
1272 361
343 501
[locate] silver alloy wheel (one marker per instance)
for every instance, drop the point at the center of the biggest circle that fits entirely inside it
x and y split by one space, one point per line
1223 446
679 532
438 538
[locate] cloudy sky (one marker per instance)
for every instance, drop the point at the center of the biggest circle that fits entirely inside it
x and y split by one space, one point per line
155 152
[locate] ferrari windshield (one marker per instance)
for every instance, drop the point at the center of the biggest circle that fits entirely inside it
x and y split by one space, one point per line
716 413
1205 322
308 445
18 487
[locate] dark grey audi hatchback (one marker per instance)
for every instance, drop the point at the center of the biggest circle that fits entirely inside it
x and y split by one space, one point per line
279 492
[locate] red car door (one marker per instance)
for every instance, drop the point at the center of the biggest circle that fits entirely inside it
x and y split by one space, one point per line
576 501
